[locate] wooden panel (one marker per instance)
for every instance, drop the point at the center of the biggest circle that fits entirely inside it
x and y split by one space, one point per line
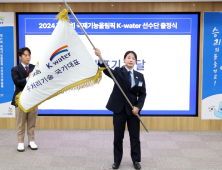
153 123
2 7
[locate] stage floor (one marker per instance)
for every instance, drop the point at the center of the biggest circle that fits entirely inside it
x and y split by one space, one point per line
93 150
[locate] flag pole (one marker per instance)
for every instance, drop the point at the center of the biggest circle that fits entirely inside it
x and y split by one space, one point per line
68 7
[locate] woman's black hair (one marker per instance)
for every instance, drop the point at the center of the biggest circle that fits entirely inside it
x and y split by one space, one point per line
130 52
22 50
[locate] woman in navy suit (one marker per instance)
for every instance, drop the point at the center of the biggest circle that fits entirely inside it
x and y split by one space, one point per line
133 85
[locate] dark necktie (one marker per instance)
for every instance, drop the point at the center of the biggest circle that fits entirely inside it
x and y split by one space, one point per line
129 79
27 70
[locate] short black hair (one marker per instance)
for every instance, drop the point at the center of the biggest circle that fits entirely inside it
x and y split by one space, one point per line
22 50
130 52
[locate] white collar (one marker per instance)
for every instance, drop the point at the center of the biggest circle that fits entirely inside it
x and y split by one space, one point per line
24 65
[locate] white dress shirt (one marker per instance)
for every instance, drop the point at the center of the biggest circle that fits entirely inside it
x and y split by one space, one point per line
25 70
132 77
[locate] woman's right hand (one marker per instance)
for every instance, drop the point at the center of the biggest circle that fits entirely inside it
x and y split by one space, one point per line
98 53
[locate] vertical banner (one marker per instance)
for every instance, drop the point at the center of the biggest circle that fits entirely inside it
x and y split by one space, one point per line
6 63
212 66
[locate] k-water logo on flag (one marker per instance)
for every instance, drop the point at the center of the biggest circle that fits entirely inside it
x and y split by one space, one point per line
59 51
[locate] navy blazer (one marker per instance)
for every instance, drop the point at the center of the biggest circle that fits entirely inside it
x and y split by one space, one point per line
19 76
136 95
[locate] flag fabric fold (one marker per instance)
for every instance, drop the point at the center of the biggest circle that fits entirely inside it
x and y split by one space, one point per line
65 64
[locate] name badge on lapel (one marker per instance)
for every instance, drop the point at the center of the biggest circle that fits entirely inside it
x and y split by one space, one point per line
140 84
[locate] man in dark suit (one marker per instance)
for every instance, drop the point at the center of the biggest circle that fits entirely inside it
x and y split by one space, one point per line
133 85
20 75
